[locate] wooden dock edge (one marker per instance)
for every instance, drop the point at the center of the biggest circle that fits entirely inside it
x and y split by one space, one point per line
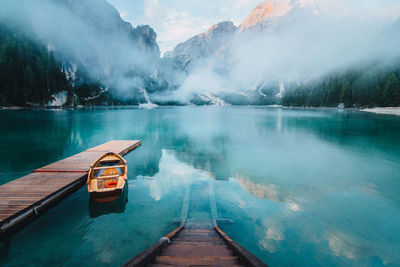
129 149
244 254
22 218
148 255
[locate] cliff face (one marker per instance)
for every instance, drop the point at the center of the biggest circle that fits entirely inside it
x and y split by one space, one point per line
218 40
204 45
121 57
105 19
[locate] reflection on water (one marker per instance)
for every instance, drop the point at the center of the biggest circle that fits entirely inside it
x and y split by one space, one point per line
304 187
97 209
258 190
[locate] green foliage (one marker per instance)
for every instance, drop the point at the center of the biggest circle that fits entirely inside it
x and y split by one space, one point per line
370 86
30 75
391 90
28 72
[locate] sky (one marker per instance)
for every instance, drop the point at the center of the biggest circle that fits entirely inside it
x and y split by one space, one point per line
176 21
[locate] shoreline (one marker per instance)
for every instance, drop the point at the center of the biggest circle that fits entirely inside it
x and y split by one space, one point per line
383 110
377 110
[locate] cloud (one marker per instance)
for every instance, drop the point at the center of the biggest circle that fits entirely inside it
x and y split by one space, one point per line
151 9
357 8
178 26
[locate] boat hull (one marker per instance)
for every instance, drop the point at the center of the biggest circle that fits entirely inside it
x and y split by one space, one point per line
108 196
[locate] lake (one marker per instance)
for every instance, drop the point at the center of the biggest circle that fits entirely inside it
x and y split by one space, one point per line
304 187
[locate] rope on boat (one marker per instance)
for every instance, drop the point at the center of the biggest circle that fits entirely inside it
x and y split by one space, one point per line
166 238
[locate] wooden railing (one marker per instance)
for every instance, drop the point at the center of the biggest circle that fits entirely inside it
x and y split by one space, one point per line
148 255
244 255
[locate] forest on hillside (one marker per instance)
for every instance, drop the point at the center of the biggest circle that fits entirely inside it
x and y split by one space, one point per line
28 72
363 87
31 75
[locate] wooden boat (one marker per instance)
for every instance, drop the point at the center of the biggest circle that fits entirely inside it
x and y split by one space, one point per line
107 177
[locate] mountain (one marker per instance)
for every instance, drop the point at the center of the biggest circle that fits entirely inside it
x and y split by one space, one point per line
105 19
217 49
106 59
81 52
204 45
217 39
287 46
256 19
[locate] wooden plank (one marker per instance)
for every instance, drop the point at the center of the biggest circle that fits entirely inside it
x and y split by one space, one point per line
56 179
82 161
198 243
193 246
199 260
147 255
243 253
187 251
19 195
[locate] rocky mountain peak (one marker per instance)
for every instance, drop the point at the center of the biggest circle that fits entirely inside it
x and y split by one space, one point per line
221 27
264 10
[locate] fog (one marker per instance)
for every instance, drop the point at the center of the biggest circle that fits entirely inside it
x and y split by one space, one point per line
88 34
304 41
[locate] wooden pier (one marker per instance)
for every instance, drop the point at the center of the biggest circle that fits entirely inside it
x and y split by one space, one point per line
196 243
29 196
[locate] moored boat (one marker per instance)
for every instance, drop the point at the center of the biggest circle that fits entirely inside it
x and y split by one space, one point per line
107 177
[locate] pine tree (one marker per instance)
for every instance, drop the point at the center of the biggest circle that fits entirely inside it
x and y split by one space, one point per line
391 92
345 93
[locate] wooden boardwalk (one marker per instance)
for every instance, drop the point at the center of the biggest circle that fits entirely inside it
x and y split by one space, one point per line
30 195
196 243
197 246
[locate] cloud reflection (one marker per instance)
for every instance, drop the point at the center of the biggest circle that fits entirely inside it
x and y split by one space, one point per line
269 192
345 245
173 173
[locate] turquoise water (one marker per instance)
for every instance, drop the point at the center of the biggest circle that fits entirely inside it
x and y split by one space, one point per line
303 187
